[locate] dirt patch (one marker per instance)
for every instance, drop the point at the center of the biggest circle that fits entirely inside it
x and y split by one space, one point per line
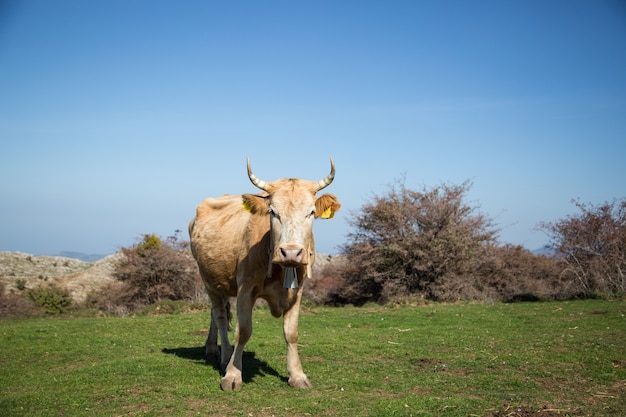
429 364
523 411
204 333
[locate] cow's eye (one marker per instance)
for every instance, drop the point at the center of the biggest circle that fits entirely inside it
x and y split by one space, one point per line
312 213
273 213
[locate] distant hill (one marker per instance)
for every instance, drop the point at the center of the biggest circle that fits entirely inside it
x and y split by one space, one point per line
81 256
547 251
79 277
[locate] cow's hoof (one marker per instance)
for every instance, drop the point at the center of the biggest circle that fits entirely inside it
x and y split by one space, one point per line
230 383
212 354
300 382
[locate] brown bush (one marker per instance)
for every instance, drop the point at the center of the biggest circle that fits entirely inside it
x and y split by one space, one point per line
151 271
513 273
115 297
15 305
593 247
506 273
319 288
428 243
431 245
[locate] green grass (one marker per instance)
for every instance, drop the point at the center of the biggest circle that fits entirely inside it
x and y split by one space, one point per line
434 360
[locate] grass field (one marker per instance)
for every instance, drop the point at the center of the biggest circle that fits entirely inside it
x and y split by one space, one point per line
546 359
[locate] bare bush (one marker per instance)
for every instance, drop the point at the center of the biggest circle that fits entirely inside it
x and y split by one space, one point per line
15 305
427 242
513 273
151 271
593 246
114 297
325 280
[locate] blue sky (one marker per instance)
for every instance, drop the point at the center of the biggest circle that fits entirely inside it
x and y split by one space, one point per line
118 117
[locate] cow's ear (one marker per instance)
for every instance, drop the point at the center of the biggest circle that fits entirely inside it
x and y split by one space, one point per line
326 206
254 204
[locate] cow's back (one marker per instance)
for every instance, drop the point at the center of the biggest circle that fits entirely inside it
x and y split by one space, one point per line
222 236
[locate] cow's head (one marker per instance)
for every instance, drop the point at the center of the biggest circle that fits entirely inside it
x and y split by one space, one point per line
292 207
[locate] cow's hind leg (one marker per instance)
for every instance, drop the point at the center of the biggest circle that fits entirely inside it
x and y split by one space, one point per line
211 351
220 320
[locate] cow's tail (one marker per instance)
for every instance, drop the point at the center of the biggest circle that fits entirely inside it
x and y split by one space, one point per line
229 314
192 224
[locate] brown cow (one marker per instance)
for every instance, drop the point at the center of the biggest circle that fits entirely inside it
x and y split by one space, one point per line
258 246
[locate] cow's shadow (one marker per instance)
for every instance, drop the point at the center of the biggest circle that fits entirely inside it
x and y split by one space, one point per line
252 366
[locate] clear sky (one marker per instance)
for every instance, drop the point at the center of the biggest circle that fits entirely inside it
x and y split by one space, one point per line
118 117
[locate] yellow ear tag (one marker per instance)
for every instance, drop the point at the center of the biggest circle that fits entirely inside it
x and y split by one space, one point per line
246 207
328 213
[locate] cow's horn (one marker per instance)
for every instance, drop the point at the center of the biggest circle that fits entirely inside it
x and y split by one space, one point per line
326 181
256 181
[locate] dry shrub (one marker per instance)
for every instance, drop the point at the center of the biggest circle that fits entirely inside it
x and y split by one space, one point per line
513 273
431 245
455 287
427 243
151 271
113 298
324 282
15 305
593 247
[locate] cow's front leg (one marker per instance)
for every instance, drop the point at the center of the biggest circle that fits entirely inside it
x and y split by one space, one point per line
297 378
232 380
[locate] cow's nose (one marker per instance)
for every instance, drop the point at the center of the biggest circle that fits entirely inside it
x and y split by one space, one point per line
291 255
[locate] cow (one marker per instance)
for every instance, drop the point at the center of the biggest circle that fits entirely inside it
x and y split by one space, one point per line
255 246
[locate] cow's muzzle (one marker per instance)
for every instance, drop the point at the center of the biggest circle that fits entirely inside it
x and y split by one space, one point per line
291 255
